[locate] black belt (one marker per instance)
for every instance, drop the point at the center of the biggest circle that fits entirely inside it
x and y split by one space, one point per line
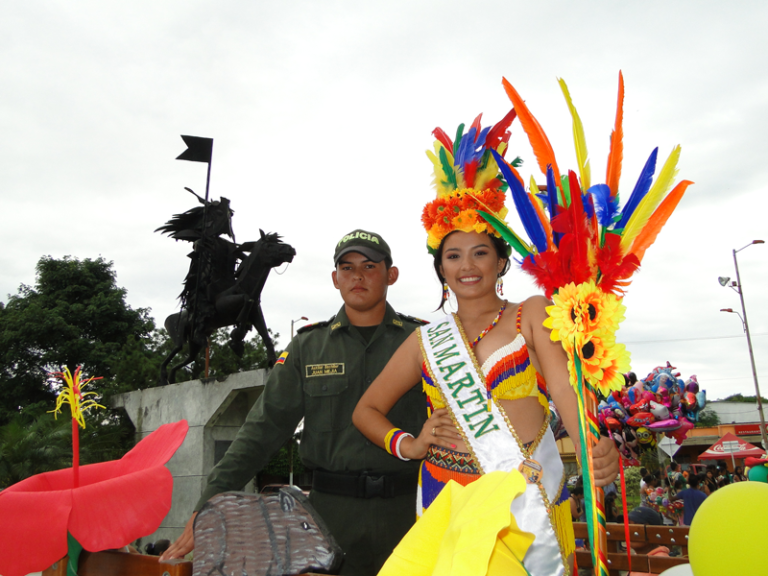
365 484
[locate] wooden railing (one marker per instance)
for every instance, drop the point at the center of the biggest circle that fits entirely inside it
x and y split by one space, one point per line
121 564
640 536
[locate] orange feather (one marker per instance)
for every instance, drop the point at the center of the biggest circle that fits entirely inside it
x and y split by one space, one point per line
657 220
616 154
545 155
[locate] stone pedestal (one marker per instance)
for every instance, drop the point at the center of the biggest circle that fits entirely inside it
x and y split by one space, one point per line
215 410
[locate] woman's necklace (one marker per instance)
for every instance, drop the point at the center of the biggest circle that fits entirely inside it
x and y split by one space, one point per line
495 321
480 337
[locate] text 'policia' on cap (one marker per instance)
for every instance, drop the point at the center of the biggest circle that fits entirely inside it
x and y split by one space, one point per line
369 244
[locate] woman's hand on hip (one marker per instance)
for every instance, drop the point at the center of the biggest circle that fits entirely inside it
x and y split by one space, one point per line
439 429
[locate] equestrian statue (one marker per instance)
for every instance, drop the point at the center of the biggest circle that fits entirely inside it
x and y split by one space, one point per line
224 283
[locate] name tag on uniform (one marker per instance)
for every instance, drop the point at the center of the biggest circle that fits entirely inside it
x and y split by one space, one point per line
333 369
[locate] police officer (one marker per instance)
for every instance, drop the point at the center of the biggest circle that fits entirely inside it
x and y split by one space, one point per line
365 496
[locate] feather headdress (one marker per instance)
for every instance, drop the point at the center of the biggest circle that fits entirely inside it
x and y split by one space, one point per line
584 250
467 180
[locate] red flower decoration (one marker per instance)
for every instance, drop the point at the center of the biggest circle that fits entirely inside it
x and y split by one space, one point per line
115 503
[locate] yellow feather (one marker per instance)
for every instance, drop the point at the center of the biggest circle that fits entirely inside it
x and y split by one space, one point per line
582 156
487 174
440 180
651 201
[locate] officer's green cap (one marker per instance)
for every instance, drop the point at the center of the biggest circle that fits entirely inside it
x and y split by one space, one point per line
369 244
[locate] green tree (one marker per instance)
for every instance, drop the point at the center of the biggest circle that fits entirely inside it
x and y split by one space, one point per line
31 446
707 419
74 315
742 398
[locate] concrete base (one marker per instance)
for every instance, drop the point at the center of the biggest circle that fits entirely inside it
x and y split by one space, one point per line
215 410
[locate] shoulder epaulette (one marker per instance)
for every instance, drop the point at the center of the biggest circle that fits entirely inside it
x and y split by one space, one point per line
412 319
309 327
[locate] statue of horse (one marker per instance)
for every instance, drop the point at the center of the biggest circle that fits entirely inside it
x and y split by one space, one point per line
224 283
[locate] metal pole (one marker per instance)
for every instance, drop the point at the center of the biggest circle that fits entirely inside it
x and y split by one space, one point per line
751 353
290 452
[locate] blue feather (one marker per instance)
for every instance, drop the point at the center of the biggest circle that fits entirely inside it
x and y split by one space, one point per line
589 205
482 136
605 206
464 150
553 205
527 213
641 189
471 147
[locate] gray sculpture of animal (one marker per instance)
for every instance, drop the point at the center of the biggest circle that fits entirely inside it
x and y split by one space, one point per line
262 535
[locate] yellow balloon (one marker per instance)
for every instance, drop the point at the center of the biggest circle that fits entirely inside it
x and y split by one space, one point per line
729 532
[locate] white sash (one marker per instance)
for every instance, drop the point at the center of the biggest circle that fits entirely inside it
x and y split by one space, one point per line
492 440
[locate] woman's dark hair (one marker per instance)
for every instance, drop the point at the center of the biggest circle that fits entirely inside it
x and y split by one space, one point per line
502 251
577 490
694 480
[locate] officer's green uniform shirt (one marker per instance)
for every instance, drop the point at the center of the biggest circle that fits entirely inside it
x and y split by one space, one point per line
327 370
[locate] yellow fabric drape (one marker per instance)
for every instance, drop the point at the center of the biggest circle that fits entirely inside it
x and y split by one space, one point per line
467 531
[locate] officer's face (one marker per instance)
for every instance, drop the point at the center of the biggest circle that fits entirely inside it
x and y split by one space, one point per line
362 283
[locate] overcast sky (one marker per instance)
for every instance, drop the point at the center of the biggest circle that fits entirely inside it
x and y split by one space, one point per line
321 113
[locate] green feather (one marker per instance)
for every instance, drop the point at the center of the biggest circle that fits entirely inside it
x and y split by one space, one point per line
457 140
507 233
566 186
448 169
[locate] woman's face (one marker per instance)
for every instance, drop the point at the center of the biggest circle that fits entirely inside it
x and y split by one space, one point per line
470 264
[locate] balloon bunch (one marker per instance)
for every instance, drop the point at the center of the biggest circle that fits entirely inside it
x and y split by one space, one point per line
662 402
657 499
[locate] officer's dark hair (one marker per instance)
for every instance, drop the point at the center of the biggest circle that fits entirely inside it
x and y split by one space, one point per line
502 251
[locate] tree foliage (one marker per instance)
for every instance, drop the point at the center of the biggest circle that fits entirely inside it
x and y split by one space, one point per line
707 419
742 398
74 315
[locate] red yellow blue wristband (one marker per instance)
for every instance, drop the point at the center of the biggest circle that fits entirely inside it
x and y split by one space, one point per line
392 442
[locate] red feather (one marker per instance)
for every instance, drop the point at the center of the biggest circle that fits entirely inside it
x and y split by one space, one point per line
476 124
443 138
470 169
581 229
499 133
615 268
547 271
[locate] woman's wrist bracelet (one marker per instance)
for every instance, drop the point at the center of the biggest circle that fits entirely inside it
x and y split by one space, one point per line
392 442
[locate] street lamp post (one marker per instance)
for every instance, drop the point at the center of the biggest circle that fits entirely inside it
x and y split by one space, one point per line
290 452
297 319
738 288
